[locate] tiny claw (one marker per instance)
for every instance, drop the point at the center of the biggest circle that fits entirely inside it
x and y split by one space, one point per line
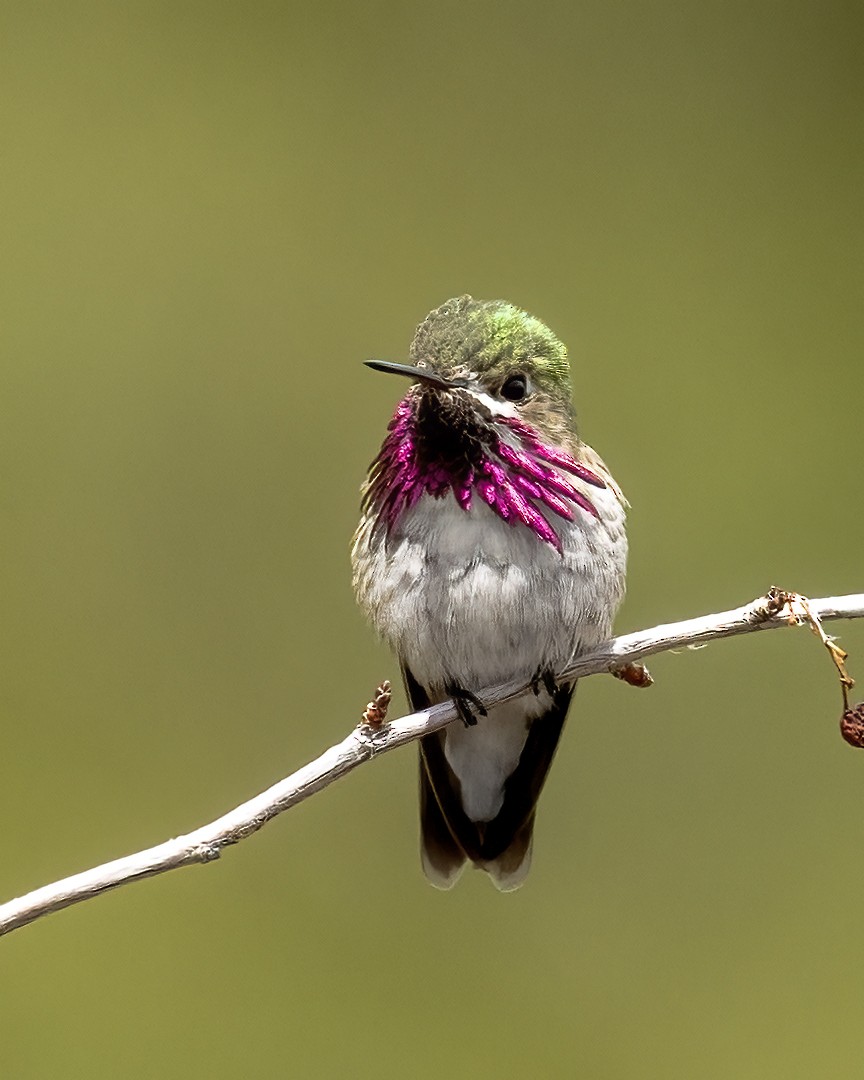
544 677
464 701
634 674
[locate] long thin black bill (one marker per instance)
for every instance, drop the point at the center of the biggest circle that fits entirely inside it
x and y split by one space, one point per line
423 375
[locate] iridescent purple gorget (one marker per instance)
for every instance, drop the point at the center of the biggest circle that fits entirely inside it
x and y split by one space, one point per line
511 475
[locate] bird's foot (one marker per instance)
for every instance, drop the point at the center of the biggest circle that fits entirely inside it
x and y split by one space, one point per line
544 678
465 703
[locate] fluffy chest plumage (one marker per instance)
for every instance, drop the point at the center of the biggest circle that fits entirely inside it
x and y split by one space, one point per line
463 595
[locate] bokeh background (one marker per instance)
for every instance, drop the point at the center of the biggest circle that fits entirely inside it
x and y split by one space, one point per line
211 213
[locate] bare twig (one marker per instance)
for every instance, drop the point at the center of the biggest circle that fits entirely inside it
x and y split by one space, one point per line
774 610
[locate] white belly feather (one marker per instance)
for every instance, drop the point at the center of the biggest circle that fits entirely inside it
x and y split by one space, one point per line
464 597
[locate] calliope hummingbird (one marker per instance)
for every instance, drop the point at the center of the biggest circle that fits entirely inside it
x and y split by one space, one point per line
491 548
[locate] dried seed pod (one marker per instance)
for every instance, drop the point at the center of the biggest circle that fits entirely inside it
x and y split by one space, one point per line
852 724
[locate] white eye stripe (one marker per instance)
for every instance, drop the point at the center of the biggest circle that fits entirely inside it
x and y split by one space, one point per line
494 405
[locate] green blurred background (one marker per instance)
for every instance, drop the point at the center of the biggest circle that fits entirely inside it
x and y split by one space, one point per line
211 213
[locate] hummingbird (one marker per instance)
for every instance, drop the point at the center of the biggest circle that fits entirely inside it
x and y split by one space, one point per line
491 547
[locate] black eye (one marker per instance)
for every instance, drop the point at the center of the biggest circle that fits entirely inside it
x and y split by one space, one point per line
515 388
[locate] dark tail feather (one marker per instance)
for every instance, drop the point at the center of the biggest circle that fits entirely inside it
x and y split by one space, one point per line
511 867
442 858
501 847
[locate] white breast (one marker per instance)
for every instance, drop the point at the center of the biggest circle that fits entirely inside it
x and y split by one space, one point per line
464 596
